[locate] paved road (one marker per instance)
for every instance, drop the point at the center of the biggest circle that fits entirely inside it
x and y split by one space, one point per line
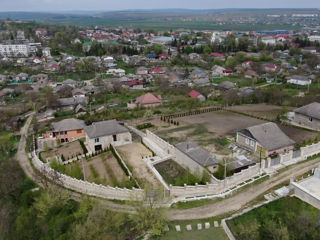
22 158
240 200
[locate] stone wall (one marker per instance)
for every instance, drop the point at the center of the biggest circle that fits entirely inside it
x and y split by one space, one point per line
85 187
215 188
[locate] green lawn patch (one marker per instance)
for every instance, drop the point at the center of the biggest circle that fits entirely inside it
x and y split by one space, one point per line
286 218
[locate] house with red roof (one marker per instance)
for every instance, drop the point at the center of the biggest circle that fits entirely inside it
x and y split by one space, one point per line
218 56
227 72
164 56
247 64
250 74
52 67
283 38
196 95
133 84
146 100
41 32
271 67
156 70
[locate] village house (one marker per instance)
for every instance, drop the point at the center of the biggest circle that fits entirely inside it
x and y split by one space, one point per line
271 67
247 64
69 104
308 115
218 56
100 135
226 85
164 56
146 100
217 71
156 71
309 50
268 40
196 95
142 71
201 158
116 72
78 93
266 138
66 130
299 80
227 72
3 78
41 32
250 74
39 81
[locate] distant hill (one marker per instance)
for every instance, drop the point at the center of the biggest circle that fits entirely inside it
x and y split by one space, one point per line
165 18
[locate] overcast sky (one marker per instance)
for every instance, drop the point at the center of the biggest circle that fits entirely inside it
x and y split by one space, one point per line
106 5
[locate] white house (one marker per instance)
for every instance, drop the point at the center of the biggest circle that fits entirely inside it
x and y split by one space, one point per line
299 80
116 72
100 135
314 38
268 40
217 71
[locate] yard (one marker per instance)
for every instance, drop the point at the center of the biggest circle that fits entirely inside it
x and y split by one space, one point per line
102 169
208 129
221 122
68 151
286 218
176 175
132 154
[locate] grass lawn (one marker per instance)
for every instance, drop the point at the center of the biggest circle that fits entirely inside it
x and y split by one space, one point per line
195 234
8 144
286 218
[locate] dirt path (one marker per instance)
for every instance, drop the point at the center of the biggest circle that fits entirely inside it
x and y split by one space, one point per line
239 200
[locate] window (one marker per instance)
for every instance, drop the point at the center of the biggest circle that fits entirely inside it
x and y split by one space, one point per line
247 141
251 143
114 138
79 131
96 140
310 119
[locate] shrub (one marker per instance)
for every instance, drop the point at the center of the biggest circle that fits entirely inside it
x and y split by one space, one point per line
83 146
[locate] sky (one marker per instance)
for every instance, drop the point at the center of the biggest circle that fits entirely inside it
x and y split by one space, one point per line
109 5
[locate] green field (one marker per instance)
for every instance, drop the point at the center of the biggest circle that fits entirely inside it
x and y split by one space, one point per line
286 218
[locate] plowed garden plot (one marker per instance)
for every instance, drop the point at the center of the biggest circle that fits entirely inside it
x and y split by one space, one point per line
222 122
265 111
104 169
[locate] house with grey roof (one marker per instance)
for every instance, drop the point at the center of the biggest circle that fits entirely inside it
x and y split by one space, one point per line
266 138
195 157
100 135
67 130
308 116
